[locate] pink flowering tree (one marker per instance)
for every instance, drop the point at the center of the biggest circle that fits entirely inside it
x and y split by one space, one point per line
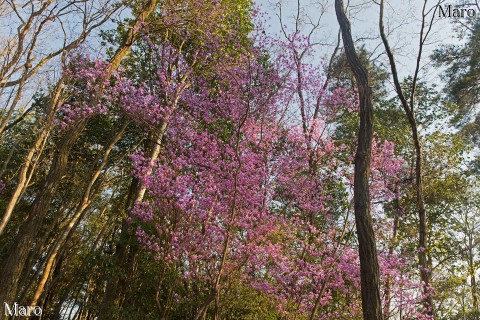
243 181
210 187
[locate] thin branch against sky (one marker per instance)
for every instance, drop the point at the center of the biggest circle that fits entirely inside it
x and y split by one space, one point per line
402 28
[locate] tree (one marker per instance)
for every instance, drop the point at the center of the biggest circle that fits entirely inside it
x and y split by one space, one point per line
12 267
461 77
370 274
19 61
408 104
215 173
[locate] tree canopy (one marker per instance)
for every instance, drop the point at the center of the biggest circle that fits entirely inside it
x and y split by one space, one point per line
178 160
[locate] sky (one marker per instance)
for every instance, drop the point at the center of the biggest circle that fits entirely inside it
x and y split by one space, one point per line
402 22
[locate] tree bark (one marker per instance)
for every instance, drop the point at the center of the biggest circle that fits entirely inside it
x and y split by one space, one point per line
369 270
393 243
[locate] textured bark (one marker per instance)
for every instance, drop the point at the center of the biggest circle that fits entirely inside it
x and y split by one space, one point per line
369 270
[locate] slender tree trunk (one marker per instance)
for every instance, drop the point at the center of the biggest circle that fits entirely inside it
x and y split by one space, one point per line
29 163
471 268
18 254
202 312
30 160
369 270
13 266
127 246
473 283
124 259
408 107
422 225
79 213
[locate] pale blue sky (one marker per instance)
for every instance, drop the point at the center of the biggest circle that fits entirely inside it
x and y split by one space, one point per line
402 22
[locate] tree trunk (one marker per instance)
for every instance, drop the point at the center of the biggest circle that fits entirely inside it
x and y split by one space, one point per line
123 258
369 270
422 226
87 198
13 266
18 253
408 107
127 246
29 164
471 266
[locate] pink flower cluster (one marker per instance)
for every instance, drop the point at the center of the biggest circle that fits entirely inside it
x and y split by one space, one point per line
248 184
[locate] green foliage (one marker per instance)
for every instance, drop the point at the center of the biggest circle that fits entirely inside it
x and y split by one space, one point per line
462 75
154 291
377 75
